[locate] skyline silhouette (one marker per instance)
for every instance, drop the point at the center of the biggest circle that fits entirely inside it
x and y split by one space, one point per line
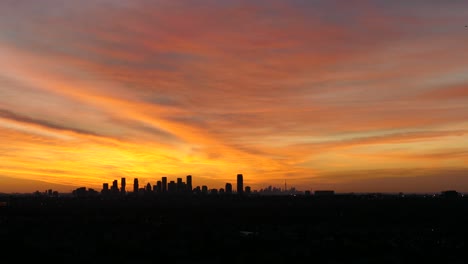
167 185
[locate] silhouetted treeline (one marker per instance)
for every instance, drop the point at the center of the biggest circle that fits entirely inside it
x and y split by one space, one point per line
237 229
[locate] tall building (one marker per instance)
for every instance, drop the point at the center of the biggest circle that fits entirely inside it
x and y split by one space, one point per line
115 187
122 186
228 188
189 183
135 185
158 186
240 184
105 188
180 185
172 187
164 184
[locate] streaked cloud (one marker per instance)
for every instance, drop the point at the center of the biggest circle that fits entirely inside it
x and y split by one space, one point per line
91 91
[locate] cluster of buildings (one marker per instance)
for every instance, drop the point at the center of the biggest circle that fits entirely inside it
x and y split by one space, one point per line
163 186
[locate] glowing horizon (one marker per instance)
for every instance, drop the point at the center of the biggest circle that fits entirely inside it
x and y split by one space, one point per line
363 96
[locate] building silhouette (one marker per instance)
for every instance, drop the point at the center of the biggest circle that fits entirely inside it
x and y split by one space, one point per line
180 185
122 186
135 185
115 187
228 188
189 183
172 187
240 184
158 186
164 184
105 189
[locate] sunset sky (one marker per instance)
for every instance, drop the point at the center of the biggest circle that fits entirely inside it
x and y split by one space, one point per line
355 96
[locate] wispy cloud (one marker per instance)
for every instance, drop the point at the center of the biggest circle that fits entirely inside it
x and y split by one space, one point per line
271 89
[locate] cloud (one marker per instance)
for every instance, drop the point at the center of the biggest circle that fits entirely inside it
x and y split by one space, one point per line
270 88
27 120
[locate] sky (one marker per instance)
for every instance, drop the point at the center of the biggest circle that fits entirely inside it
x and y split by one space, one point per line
354 96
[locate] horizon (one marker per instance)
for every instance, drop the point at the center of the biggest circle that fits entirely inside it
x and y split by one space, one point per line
363 97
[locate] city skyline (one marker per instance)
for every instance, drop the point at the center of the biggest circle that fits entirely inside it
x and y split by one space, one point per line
368 96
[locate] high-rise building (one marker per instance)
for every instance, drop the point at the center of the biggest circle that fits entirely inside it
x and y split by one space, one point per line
228 188
122 186
189 183
158 186
164 184
105 188
115 187
135 185
172 187
240 184
180 185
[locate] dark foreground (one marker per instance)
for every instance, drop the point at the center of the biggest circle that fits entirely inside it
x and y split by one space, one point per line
282 229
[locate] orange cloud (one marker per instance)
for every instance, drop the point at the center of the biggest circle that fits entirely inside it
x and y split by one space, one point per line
293 90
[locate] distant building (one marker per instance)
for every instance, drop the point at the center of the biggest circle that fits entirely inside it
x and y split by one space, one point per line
122 186
247 190
158 186
228 188
164 184
204 189
135 185
80 192
180 185
189 183
105 189
240 184
172 187
115 187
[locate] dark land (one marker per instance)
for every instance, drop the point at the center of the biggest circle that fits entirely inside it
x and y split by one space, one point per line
367 228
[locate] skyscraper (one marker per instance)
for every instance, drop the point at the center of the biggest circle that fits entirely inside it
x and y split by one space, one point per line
135 185
172 187
158 186
228 188
115 187
189 183
180 185
105 188
164 184
122 186
240 184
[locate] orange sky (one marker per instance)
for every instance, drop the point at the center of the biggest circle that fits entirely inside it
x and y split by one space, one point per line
368 96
